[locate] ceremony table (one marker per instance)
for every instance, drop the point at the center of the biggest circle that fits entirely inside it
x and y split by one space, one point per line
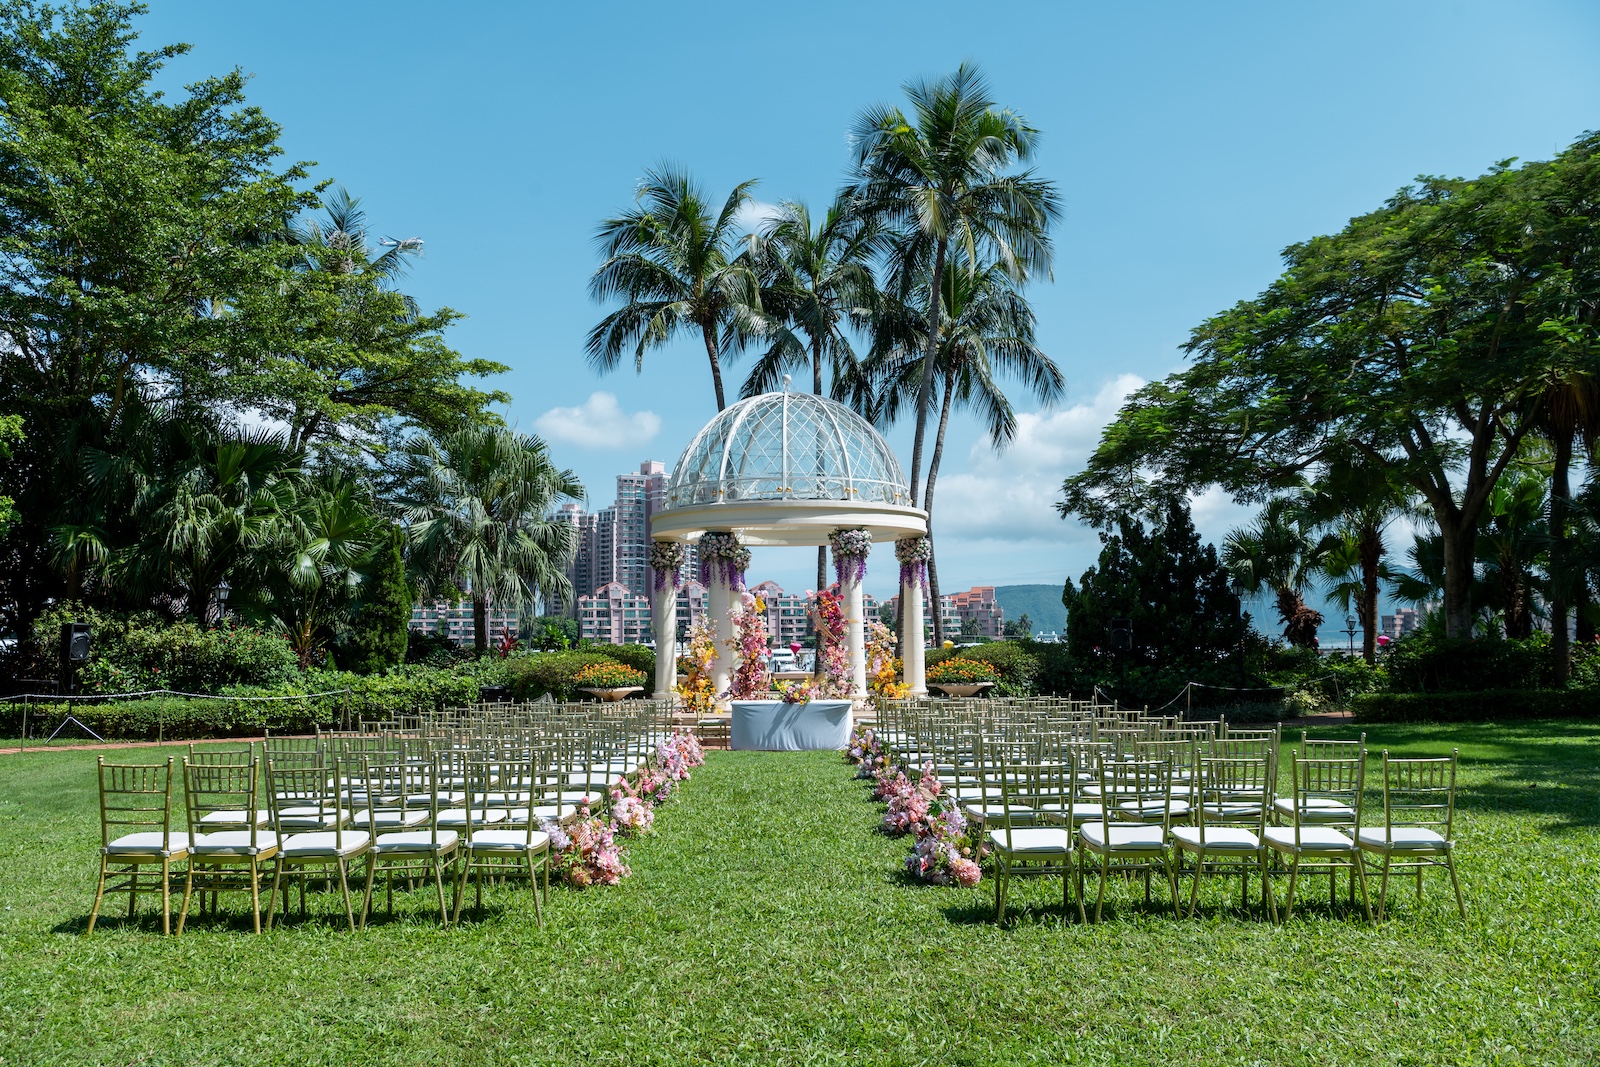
772 725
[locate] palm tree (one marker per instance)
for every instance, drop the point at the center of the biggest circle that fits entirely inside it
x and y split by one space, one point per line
987 329
477 504
940 178
1276 552
675 266
1510 544
1566 409
816 282
1355 502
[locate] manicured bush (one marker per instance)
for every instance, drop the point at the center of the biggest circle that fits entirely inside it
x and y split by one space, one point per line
532 675
1016 668
1484 705
638 657
173 718
378 637
1425 662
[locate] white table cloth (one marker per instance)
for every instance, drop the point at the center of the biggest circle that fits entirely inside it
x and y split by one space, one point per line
773 726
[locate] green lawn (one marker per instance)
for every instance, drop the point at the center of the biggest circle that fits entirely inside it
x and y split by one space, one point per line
766 922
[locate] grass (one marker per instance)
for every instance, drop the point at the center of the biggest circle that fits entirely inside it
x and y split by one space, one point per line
767 922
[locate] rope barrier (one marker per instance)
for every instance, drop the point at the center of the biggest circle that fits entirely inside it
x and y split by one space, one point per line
27 699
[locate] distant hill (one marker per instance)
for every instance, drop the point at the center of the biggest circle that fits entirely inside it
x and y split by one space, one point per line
1042 603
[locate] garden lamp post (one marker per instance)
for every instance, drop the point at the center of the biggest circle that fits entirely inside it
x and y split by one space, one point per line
1350 629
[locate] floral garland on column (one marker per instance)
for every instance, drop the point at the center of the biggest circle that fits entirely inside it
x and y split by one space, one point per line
722 555
833 653
850 551
749 646
666 561
913 554
883 666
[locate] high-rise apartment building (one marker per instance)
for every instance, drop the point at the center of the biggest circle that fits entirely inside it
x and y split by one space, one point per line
454 621
614 542
977 604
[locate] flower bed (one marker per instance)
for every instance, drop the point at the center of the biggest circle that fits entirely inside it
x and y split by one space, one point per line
607 676
963 671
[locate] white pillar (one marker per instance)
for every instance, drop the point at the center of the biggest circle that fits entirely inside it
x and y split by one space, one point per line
855 636
719 602
664 614
913 654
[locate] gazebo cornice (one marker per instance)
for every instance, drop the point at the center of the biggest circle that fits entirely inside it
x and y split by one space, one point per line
788 523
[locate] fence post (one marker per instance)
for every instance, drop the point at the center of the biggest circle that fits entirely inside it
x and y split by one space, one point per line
1188 700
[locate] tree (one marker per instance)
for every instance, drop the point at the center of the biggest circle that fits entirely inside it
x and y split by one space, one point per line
1410 339
1174 591
942 179
380 632
1355 502
1277 552
135 224
351 352
1512 541
478 506
673 263
1020 627
987 329
816 283
1566 410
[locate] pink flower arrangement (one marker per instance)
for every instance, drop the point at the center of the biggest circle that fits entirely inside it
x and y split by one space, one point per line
633 817
833 652
677 753
749 644
942 854
911 806
591 855
864 745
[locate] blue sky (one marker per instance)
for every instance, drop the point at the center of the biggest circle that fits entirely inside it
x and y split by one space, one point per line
1190 142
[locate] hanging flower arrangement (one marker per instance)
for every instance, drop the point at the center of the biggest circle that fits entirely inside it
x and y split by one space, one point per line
666 561
696 690
722 555
883 666
749 646
833 654
913 554
850 551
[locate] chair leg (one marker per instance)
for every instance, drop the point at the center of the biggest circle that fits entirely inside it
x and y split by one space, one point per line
1267 896
1294 876
344 887
1100 896
99 894
255 893
366 895
460 884
1450 865
188 885
272 894
1360 875
1194 886
533 884
1383 888
438 884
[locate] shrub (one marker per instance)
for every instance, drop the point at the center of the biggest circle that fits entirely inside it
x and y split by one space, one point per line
1015 665
378 636
532 675
1424 662
956 669
175 718
638 657
607 676
1484 705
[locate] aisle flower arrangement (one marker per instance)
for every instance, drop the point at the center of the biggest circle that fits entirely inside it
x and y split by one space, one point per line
632 816
942 855
864 745
883 666
676 754
585 851
696 691
911 804
748 680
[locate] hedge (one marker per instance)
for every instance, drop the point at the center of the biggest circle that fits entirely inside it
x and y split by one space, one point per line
172 718
1487 705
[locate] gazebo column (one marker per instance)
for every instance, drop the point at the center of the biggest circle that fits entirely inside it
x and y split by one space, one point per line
850 548
722 564
666 567
913 553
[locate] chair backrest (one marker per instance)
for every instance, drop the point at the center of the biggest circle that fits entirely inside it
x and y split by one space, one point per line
1319 783
1029 786
135 798
1146 784
212 756
1318 748
226 792
1420 792
1234 792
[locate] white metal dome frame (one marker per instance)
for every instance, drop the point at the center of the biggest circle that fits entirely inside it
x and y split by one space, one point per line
744 472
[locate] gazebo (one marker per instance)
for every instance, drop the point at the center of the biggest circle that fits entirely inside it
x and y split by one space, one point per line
785 469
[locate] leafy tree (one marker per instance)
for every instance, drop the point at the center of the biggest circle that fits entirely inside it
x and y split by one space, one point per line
352 352
1511 545
1021 627
1174 590
943 179
1277 553
1566 411
380 633
1355 502
478 506
1411 339
673 263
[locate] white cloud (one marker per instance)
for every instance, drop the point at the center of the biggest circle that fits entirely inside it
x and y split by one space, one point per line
753 214
599 422
1010 496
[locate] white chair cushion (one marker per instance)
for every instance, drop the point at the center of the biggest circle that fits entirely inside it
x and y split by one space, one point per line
1315 808
324 843
1403 839
311 818
1032 841
983 813
508 841
414 841
234 818
1312 839
1233 809
480 816
1124 838
393 818
233 843
148 843
1151 809
1233 839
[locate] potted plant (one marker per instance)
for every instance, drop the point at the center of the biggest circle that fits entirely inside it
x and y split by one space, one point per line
608 681
959 677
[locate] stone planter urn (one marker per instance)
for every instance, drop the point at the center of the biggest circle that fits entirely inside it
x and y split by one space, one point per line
960 689
621 692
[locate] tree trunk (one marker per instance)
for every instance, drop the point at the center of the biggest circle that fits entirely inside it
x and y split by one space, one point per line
1371 548
480 624
822 567
710 335
929 359
1560 494
1460 540
927 505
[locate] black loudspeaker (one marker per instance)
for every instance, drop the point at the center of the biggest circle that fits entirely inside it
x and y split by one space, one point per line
1122 635
74 642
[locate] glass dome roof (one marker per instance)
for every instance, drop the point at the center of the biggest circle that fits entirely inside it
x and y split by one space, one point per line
787 446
